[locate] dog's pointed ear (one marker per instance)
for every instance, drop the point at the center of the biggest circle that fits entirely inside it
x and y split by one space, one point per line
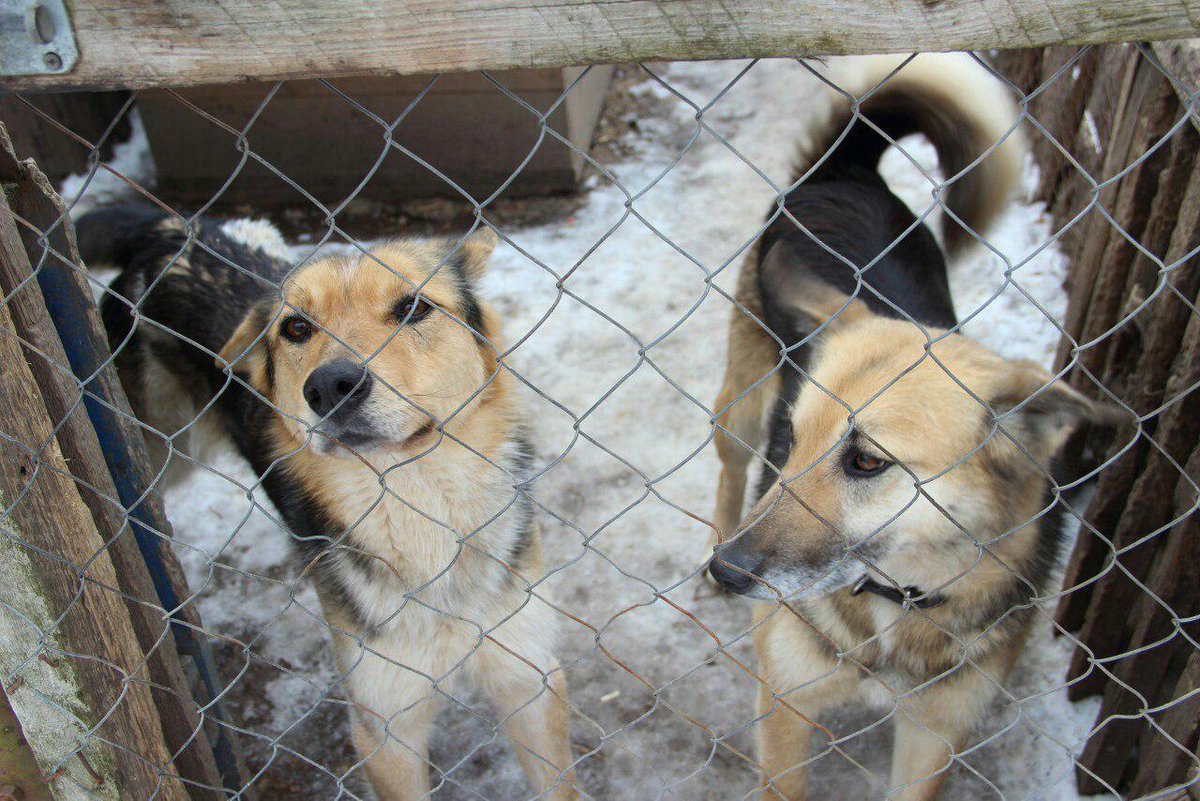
1041 411
473 254
245 352
809 301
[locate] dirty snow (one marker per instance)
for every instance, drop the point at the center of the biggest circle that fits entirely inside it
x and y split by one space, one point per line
634 461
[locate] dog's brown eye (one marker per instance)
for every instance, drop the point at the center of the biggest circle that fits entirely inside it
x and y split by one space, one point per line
411 309
865 464
297 329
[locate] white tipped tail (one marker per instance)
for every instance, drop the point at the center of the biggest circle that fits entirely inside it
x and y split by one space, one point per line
968 114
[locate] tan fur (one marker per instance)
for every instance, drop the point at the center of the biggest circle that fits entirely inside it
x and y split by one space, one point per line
425 511
897 388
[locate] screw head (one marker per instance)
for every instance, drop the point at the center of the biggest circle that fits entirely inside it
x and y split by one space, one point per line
52 61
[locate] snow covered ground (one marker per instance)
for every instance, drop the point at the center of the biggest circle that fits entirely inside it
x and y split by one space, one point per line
634 459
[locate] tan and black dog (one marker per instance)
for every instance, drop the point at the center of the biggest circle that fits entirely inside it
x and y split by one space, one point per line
905 518
365 392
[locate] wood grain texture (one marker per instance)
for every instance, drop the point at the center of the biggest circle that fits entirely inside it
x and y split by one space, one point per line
1182 60
77 675
38 212
144 43
33 210
1132 604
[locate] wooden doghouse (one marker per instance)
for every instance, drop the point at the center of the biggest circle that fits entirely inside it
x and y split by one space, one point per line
327 139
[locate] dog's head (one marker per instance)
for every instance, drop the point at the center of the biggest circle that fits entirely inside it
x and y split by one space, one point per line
903 451
372 351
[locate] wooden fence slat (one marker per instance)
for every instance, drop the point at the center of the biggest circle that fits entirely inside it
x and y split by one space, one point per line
1057 108
1162 762
1111 750
1164 323
1091 232
35 201
1149 503
51 368
60 589
1172 176
144 43
1157 110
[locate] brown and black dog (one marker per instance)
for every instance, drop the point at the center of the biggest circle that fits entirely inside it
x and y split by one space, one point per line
365 392
905 519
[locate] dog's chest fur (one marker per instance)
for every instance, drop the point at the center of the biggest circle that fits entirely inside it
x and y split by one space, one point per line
436 532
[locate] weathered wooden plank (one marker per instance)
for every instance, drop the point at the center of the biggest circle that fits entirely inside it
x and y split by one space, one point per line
1172 177
64 402
1154 109
1058 96
1109 277
1149 503
1141 387
1162 762
1154 644
41 213
56 603
1090 233
143 43
1182 61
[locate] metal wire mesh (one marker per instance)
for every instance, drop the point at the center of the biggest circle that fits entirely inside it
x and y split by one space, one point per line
614 308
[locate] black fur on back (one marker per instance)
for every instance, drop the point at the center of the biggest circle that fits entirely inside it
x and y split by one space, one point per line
846 207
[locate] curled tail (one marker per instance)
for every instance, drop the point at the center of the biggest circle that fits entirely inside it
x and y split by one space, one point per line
951 99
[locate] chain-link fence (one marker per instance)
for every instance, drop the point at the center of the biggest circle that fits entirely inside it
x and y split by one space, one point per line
452 536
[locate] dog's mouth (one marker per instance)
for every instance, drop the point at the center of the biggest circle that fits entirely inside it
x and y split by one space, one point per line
419 436
797 583
333 437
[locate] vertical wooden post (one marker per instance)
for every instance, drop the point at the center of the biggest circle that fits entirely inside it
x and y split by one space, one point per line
76 674
111 470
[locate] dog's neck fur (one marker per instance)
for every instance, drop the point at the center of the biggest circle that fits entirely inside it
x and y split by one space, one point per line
975 588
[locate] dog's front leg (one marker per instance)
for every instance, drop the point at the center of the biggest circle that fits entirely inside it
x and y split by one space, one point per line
785 729
393 707
801 680
931 728
532 705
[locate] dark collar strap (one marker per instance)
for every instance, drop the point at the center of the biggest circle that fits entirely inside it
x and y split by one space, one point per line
906 596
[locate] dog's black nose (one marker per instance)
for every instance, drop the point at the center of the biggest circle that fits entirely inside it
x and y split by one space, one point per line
734 569
339 382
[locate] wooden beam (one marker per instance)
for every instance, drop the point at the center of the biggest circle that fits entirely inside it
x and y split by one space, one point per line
148 43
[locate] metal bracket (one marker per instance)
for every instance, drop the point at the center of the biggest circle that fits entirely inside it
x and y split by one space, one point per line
36 38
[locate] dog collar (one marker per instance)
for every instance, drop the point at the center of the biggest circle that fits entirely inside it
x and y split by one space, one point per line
903 596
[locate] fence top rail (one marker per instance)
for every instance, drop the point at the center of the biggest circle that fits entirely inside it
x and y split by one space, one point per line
150 43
